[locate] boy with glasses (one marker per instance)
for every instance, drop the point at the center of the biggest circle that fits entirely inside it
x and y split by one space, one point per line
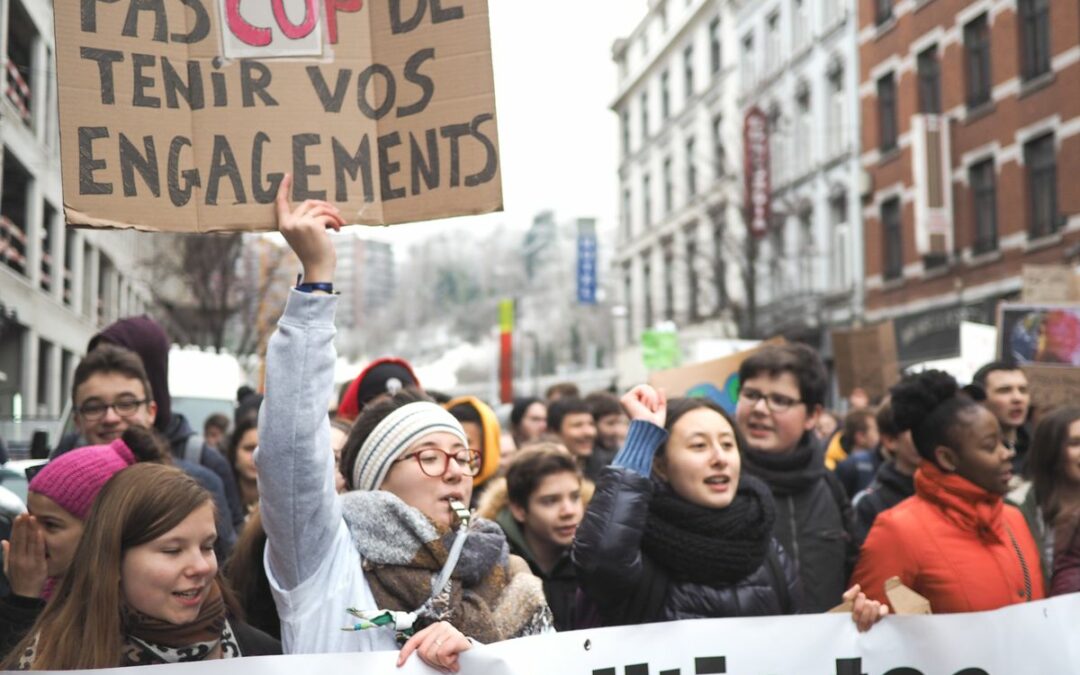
781 396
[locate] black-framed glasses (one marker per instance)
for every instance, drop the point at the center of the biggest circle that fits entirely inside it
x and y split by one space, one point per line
775 402
124 407
434 462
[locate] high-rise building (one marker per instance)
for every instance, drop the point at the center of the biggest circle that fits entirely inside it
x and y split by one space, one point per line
678 188
58 286
798 80
970 133
365 276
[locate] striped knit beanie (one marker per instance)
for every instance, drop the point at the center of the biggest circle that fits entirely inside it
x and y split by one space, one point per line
74 479
394 435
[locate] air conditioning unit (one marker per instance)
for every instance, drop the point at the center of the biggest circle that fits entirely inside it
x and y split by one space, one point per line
932 168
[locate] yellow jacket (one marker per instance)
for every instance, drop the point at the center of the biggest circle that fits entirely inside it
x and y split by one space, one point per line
489 454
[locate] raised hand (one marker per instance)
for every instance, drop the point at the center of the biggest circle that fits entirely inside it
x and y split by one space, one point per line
24 557
439 646
646 404
304 228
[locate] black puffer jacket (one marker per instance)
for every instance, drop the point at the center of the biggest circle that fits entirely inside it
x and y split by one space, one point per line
627 587
890 487
814 521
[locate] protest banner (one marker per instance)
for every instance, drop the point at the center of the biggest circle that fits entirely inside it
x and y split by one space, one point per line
184 115
1045 340
1049 283
1038 637
866 357
716 380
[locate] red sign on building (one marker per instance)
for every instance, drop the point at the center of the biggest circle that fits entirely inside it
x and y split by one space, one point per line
758 197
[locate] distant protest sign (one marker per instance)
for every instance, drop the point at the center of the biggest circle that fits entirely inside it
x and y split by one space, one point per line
184 115
866 358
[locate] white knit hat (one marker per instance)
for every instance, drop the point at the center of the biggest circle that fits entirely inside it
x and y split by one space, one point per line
394 435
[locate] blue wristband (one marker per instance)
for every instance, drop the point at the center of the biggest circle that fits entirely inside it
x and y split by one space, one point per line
308 287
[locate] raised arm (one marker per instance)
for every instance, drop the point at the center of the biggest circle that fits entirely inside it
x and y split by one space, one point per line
295 463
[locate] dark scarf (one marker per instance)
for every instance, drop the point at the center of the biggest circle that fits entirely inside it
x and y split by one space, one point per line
150 640
491 595
790 472
710 546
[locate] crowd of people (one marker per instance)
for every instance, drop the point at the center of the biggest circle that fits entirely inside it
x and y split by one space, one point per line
390 517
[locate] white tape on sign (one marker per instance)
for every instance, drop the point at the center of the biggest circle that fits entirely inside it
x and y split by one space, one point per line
1039 637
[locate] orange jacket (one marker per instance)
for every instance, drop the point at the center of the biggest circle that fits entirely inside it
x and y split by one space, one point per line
958 545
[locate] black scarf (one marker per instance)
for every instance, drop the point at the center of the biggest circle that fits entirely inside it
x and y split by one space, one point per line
710 546
789 472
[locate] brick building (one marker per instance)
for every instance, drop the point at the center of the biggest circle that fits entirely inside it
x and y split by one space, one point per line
970 123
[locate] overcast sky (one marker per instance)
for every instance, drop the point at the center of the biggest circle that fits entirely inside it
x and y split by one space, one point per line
554 81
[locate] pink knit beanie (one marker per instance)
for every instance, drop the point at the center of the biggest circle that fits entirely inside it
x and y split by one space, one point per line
74 479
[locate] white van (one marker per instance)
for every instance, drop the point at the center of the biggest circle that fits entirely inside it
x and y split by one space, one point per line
203 383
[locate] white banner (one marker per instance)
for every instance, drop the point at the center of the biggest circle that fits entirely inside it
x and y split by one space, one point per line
1041 637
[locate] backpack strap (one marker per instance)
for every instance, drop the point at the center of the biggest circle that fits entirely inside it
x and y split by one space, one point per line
779 580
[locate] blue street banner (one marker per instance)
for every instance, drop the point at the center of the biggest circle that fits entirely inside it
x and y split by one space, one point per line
586 268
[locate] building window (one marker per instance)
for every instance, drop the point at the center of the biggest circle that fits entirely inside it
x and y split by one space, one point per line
646 201
800 25
804 145
627 216
628 300
841 278
691 169
669 282
1039 156
1034 37
20 64
887 118
807 251
777 161
977 52
984 199
688 70
44 382
837 112
747 61
772 42
625 132
644 117
893 253
13 213
719 262
69 266
48 232
692 275
776 261
929 69
883 11
669 187
665 96
715 55
646 279
719 158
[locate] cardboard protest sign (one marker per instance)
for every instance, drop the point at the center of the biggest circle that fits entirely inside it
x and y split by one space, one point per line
183 115
866 357
717 380
1045 340
1050 283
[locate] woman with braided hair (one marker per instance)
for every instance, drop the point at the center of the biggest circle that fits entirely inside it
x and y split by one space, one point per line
955 542
676 531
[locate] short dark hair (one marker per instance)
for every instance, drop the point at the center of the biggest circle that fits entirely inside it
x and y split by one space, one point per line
856 422
562 390
982 373
109 358
521 406
561 407
604 404
798 359
217 421
931 405
463 412
531 467
885 423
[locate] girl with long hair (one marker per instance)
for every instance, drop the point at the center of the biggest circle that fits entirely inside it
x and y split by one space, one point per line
143 587
240 453
677 531
1052 505
955 542
395 557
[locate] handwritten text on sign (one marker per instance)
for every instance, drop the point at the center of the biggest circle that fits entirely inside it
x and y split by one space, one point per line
185 114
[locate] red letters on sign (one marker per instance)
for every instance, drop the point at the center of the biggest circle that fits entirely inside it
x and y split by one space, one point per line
335 6
293 32
244 31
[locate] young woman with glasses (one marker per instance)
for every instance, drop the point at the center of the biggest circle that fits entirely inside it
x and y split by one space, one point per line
395 555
